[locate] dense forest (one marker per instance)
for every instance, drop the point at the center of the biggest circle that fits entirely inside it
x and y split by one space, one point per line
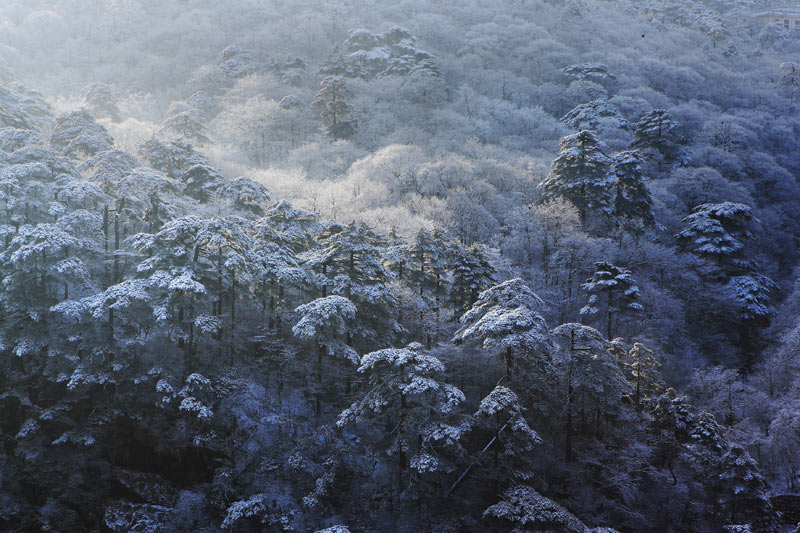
360 265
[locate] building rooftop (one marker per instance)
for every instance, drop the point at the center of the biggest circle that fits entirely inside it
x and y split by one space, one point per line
791 11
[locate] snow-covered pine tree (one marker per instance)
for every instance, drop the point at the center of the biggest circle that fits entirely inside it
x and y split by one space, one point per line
508 439
350 264
98 98
612 291
409 406
582 174
248 197
472 273
507 316
633 201
336 113
743 490
592 382
329 323
656 134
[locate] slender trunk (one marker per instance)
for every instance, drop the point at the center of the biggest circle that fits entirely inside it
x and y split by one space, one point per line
609 314
116 247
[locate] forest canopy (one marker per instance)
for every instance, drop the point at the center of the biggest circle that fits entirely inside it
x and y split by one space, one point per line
359 265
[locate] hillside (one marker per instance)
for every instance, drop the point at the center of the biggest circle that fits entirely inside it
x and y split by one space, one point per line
520 265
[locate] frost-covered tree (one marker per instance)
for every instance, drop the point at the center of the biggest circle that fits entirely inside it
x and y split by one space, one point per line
98 98
525 509
743 491
633 200
596 72
336 113
350 263
409 402
593 383
328 321
509 440
194 266
186 126
582 174
789 77
247 196
173 158
78 135
44 264
717 232
298 228
646 379
368 55
472 273
656 133
202 181
597 115
612 291
507 317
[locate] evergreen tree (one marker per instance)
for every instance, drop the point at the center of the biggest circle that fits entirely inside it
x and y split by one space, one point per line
409 405
328 321
336 113
656 133
717 232
507 316
247 196
633 200
592 382
98 98
472 274
743 491
582 174
645 378
611 289
185 126
506 439
350 264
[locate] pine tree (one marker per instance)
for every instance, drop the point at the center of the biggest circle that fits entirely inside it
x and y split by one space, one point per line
633 200
98 98
582 174
409 405
185 126
717 232
297 228
611 289
350 264
336 113
743 490
592 381
657 132
507 316
472 274
524 509
645 378
508 439
247 196
328 321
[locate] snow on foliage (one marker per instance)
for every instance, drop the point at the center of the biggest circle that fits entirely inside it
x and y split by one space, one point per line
368 55
321 314
507 316
592 115
525 508
253 507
